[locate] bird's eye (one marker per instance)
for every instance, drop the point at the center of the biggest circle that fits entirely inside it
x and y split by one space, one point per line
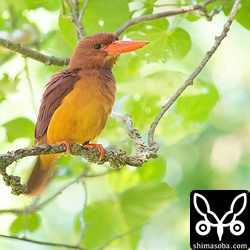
97 46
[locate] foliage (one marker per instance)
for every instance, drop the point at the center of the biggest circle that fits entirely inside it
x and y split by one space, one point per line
128 208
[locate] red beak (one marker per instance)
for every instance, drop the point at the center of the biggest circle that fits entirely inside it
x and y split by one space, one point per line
119 47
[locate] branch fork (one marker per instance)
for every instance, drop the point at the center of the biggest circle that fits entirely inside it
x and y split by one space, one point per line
117 158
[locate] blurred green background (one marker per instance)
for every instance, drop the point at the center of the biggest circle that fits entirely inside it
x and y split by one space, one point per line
204 138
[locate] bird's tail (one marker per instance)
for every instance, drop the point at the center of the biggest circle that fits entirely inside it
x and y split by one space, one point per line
41 174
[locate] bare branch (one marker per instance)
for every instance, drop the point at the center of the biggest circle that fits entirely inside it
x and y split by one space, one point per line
117 158
35 206
76 247
25 52
65 246
121 235
190 80
82 13
76 18
201 7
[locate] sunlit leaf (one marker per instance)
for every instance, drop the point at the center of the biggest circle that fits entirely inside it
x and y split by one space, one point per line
196 108
164 43
7 85
128 67
191 17
147 7
165 82
140 202
100 15
49 42
19 128
25 222
128 177
242 15
190 113
46 4
68 30
35 4
127 210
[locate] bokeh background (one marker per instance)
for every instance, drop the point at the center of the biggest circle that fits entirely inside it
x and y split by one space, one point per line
204 138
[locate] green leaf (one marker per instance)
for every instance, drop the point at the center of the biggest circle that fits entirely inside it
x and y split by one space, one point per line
7 85
124 212
19 128
68 30
189 114
25 222
164 82
164 43
49 42
142 95
140 202
35 4
147 7
128 67
242 15
151 171
98 17
195 108
105 15
46 4
191 17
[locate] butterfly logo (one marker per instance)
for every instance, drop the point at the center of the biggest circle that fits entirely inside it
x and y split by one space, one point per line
210 219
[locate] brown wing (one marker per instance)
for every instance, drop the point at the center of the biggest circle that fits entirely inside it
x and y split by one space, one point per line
57 88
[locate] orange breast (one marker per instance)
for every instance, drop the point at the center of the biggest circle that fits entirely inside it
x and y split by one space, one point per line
83 113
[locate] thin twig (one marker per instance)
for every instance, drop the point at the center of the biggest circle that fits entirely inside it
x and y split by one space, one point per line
116 157
150 17
121 236
75 17
81 14
51 60
43 242
81 215
77 247
25 52
26 68
196 72
34 207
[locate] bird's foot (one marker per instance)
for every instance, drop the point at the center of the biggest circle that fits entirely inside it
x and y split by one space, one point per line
98 146
67 145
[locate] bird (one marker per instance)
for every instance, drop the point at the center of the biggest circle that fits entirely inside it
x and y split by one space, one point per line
77 101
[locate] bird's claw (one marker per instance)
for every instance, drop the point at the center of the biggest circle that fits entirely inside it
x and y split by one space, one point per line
98 146
67 145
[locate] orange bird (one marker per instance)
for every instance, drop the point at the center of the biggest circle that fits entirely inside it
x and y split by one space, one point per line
78 101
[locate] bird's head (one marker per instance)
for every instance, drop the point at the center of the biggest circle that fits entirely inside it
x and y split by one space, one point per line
101 50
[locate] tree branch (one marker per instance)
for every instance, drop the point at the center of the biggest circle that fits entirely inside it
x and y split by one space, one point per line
65 246
190 80
80 16
193 7
117 158
77 20
25 52
76 17
121 235
34 206
76 247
